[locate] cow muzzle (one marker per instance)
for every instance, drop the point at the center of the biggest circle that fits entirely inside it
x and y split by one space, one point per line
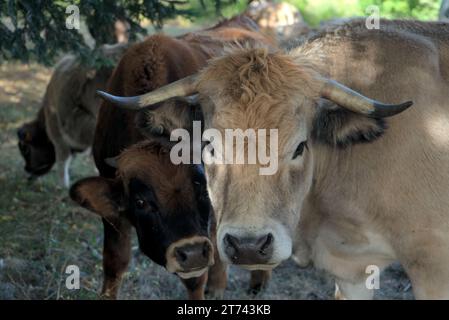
246 251
191 257
261 250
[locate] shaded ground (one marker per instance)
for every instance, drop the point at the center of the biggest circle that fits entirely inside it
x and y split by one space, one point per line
41 231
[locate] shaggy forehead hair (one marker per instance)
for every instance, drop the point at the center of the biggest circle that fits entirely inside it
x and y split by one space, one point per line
246 73
257 88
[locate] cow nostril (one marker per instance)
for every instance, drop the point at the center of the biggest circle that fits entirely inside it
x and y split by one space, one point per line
231 245
267 241
231 241
205 249
249 250
181 256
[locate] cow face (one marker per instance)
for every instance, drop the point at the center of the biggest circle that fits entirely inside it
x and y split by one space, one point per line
36 148
258 214
256 89
167 204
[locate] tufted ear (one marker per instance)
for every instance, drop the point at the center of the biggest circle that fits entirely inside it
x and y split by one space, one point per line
340 127
100 195
179 113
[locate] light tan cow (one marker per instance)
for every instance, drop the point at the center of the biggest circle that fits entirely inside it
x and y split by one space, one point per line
280 20
270 15
365 190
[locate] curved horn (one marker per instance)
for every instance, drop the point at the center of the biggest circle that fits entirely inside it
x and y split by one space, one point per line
354 101
180 88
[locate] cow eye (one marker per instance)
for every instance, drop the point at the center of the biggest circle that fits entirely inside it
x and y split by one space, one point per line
140 204
210 148
300 149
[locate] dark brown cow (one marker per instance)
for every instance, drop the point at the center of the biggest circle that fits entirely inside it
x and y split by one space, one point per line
153 63
166 203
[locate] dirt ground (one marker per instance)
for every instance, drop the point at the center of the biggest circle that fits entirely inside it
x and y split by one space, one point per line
42 231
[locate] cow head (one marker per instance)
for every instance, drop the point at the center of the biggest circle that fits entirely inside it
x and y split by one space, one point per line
167 204
36 148
254 88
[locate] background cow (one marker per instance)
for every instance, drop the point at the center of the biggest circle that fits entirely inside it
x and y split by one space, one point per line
280 20
167 204
66 121
363 194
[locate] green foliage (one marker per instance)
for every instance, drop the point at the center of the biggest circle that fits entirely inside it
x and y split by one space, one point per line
417 9
36 29
315 11
205 10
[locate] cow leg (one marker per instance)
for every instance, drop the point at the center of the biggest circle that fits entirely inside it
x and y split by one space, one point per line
259 281
195 287
63 160
428 271
116 255
218 277
65 174
346 290
423 254
217 280
430 286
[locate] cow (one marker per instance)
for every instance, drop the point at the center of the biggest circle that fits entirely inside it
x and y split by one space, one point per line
65 122
354 188
155 62
280 20
167 204
270 15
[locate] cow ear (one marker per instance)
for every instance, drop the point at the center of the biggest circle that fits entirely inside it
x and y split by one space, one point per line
339 127
100 195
